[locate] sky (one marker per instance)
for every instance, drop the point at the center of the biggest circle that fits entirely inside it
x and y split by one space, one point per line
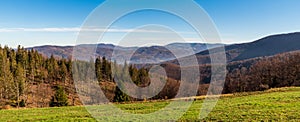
57 22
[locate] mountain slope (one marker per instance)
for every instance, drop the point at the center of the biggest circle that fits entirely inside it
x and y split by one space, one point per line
271 45
267 46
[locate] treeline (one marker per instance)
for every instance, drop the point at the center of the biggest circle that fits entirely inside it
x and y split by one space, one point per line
282 70
257 74
107 72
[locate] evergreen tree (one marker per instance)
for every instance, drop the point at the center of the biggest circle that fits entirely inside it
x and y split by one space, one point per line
134 74
120 96
143 77
1 75
6 76
60 98
63 71
106 69
19 83
98 69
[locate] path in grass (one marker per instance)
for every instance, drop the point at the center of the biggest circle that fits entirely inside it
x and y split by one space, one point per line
278 105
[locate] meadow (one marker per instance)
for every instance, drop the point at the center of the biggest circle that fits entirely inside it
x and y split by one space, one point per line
282 104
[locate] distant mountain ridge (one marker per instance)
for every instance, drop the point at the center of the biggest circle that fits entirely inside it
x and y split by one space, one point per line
241 55
152 54
271 45
267 46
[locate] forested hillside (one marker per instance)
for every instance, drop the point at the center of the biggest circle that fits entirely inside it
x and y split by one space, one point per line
28 79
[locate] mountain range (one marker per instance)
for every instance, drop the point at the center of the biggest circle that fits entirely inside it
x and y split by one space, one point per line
240 55
267 46
151 54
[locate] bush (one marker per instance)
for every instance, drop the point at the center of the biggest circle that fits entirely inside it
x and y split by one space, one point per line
263 87
59 99
22 103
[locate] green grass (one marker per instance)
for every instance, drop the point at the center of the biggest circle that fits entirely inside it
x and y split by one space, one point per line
272 105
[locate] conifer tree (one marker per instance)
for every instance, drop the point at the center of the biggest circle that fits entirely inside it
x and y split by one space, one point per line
120 96
98 69
60 98
7 77
19 83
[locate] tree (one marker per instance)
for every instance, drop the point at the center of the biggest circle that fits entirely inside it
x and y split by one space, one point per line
52 67
106 69
63 72
6 77
19 83
143 79
120 96
133 72
60 98
98 69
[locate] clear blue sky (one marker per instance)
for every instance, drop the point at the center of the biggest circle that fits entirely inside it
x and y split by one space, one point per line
56 22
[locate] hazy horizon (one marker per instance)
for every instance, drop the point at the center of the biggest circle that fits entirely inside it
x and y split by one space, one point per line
46 44
35 23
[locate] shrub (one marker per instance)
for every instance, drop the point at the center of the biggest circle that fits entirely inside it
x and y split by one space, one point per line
22 103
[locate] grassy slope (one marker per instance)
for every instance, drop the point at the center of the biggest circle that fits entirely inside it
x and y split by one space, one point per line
276 104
